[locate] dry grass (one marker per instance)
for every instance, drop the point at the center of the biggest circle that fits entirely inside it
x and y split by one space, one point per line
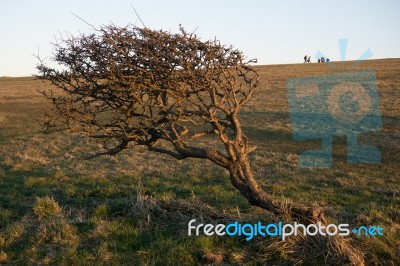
328 250
46 208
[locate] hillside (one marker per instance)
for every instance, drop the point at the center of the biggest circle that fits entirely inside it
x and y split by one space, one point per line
56 207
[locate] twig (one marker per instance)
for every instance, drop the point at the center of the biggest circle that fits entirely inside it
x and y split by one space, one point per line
138 16
93 27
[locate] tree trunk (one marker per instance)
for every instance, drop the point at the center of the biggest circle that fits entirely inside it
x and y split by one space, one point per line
243 180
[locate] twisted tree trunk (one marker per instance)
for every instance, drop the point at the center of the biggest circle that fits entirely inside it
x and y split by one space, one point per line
243 180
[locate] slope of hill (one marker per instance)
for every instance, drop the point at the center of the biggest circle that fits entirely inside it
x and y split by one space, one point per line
134 208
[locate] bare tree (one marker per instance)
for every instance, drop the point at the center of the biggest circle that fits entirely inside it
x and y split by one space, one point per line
171 93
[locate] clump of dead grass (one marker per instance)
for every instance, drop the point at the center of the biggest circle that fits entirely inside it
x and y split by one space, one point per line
315 250
46 207
214 257
53 226
57 232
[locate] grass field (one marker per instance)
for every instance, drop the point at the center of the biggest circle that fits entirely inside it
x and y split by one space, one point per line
56 208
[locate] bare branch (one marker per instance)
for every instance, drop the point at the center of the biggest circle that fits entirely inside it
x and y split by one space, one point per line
138 15
87 23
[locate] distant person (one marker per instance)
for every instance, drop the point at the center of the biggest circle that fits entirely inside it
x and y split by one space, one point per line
319 60
305 59
327 60
309 59
322 60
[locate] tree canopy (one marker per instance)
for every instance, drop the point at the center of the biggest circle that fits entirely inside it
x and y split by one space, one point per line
170 92
131 85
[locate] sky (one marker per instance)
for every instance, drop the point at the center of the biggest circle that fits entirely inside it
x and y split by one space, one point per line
274 32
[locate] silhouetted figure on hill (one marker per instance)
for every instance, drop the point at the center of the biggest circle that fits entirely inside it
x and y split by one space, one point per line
305 59
309 59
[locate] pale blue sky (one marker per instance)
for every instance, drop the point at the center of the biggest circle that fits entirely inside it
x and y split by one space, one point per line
272 31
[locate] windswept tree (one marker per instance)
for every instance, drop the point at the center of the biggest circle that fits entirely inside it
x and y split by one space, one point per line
171 93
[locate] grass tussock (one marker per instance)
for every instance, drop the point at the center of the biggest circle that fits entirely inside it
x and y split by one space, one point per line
46 207
328 250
